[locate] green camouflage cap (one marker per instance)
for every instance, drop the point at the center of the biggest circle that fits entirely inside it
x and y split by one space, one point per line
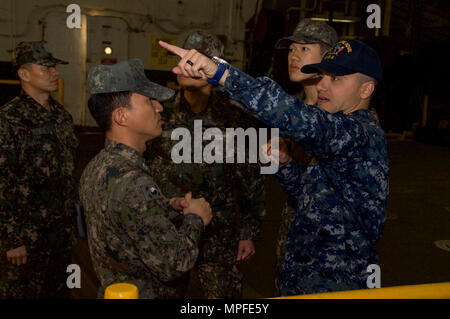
204 42
36 52
309 31
126 76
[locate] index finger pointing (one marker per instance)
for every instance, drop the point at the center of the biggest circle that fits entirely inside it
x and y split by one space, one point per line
173 48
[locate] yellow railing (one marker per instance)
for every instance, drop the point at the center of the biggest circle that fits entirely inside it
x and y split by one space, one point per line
60 88
121 291
9 82
426 291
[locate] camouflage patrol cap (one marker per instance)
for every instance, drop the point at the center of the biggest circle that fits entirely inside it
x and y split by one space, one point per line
125 76
309 31
36 52
204 42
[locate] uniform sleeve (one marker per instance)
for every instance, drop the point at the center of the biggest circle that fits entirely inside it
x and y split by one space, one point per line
289 178
249 184
251 200
12 219
315 129
143 213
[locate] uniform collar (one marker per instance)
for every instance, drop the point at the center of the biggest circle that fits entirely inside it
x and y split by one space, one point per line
35 112
127 152
185 107
361 114
35 104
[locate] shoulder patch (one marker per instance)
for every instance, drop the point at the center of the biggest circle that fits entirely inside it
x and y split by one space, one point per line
148 188
150 192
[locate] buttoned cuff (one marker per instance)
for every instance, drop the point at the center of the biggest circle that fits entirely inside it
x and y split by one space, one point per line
289 169
195 224
237 80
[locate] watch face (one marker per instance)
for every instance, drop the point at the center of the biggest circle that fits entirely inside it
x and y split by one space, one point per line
218 60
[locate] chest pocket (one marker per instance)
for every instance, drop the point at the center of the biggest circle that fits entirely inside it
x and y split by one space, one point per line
66 135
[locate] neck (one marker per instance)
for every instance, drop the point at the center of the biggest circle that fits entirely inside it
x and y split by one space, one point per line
310 91
363 105
39 96
198 99
123 137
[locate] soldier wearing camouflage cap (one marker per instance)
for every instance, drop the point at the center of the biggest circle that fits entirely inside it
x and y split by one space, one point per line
308 44
136 234
204 42
37 52
37 188
235 191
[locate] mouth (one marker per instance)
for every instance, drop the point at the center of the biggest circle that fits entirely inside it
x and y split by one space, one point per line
322 99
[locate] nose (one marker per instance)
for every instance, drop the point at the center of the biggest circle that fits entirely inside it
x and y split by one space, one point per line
322 85
294 55
158 106
53 71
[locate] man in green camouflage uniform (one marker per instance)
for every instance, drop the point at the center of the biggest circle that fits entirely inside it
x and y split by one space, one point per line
37 188
134 233
235 191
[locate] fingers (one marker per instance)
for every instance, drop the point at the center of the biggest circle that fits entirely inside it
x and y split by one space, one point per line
276 151
17 256
188 196
246 249
192 69
195 68
247 254
173 48
239 254
184 203
18 260
178 203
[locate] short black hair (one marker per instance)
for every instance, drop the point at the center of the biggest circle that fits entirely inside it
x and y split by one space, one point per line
324 48
102 106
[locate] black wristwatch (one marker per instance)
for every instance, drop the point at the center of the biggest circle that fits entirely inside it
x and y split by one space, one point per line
222 65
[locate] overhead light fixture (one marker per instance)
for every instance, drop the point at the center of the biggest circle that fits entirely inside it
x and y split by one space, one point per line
108 50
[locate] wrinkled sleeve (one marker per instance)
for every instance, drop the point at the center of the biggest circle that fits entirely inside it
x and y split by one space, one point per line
167 251
11 194
315 129
289 177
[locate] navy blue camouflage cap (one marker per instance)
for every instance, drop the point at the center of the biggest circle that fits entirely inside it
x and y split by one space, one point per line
126 76
309 31
348 57
205 43
37 52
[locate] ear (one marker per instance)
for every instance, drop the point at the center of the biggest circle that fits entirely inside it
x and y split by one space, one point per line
23 74
120 116
366 90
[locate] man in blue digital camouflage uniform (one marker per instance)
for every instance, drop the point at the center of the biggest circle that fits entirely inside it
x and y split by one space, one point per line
308 44
342 197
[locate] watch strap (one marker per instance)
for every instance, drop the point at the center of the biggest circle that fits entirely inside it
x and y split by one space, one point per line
221 67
